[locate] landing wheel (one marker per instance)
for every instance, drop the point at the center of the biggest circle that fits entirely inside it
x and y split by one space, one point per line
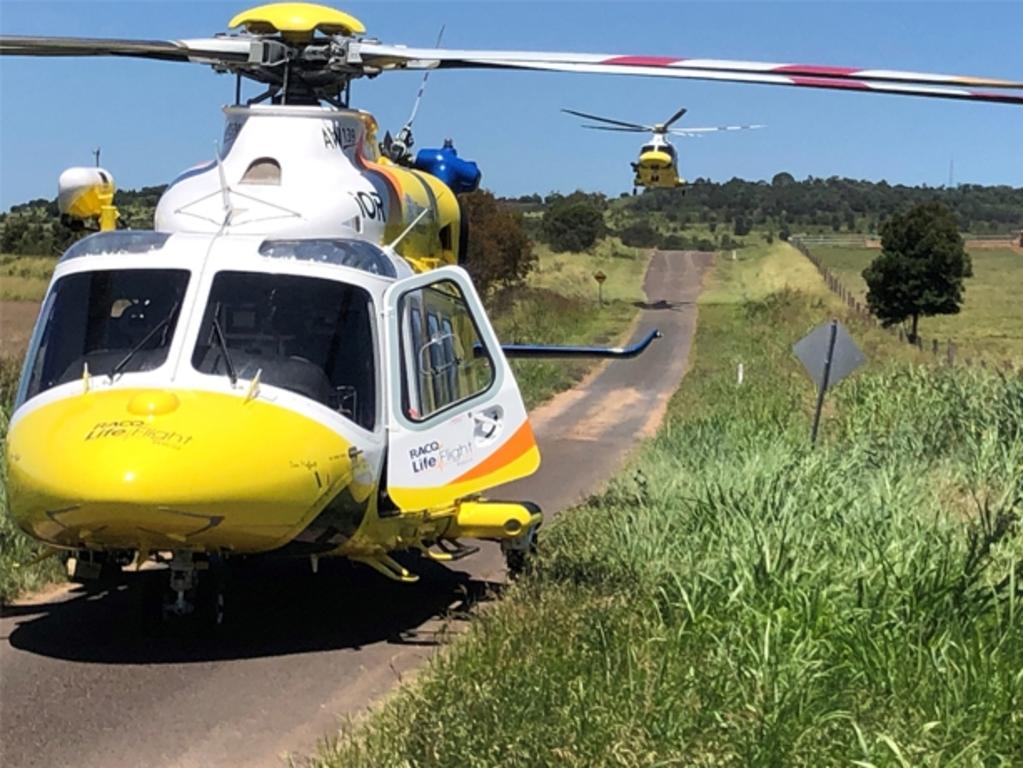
519 559
210 596
185 599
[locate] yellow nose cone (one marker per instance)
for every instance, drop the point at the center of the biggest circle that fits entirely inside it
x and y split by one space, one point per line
153 403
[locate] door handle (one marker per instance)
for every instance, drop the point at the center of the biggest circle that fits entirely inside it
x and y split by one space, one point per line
487 423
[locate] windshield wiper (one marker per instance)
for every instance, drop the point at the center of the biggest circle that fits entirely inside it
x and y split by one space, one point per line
145 340
222 343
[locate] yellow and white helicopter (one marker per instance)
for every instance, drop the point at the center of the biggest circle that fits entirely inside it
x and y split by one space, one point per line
292 361
657 164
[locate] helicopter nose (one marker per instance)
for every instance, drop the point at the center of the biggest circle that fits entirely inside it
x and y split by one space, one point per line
171 469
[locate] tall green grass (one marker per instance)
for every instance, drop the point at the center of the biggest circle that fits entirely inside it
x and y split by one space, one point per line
740 599
16 549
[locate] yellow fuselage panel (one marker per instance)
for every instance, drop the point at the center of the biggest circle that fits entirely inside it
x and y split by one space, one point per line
213 472
655 160
88 203
656 170
434 240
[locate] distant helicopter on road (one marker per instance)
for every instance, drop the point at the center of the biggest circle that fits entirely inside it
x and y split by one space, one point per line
293 362
657 164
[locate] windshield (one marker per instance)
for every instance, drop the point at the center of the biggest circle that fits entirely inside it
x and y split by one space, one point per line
114 321
305 334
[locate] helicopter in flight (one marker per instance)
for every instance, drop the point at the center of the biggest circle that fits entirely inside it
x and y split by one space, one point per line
294 361
657 164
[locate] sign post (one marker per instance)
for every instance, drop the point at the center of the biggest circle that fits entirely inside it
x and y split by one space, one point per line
829 354
600 277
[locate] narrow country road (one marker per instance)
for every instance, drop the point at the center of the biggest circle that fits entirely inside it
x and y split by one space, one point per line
79 685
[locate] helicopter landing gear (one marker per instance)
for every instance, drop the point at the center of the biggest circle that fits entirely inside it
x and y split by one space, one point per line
191 593
95 568
519 552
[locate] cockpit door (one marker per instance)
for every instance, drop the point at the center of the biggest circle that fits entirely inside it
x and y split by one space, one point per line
456 421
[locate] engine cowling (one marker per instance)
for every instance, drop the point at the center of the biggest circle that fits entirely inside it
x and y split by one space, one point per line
444 163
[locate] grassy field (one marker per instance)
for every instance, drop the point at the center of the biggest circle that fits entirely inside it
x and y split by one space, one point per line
990 324
24 278
738 598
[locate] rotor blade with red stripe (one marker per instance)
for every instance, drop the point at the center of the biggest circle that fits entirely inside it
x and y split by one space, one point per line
799 75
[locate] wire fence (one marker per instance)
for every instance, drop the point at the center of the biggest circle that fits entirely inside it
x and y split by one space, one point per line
946 350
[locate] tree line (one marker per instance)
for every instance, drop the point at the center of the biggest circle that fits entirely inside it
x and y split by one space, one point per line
834 204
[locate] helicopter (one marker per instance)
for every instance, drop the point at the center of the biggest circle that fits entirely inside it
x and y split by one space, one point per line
657 164
294 361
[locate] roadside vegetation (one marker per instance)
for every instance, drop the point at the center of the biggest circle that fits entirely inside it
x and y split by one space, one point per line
738 598
16 549
559 304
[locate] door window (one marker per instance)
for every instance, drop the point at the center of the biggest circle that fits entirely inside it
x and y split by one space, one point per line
444 360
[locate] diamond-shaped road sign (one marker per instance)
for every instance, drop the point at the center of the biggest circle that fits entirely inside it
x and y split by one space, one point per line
812 351
829 354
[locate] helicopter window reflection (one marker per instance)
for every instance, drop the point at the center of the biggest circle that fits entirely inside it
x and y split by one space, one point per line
117 241
357 254
443 360
308 335
113 321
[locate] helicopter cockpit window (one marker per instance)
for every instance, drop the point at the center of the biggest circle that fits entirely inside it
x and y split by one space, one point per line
357 254
262 170
109 322
311 336
648 148
117 241
444 361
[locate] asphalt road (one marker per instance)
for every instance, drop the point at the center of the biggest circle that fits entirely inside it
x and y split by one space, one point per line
81 685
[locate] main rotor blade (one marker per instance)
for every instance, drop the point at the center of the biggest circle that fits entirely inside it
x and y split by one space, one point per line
637 129
608 120
674 117
237 50
798 75
688 131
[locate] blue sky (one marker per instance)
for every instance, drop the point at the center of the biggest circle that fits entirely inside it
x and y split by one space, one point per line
153 119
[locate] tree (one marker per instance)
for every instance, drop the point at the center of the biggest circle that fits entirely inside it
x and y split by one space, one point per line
782 179
572 224
500 253
639 234
921 267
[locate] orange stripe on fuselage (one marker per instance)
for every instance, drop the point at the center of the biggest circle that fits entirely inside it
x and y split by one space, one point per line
513 448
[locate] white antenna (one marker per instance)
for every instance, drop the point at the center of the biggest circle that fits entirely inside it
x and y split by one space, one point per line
399 149
225 190
422 85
